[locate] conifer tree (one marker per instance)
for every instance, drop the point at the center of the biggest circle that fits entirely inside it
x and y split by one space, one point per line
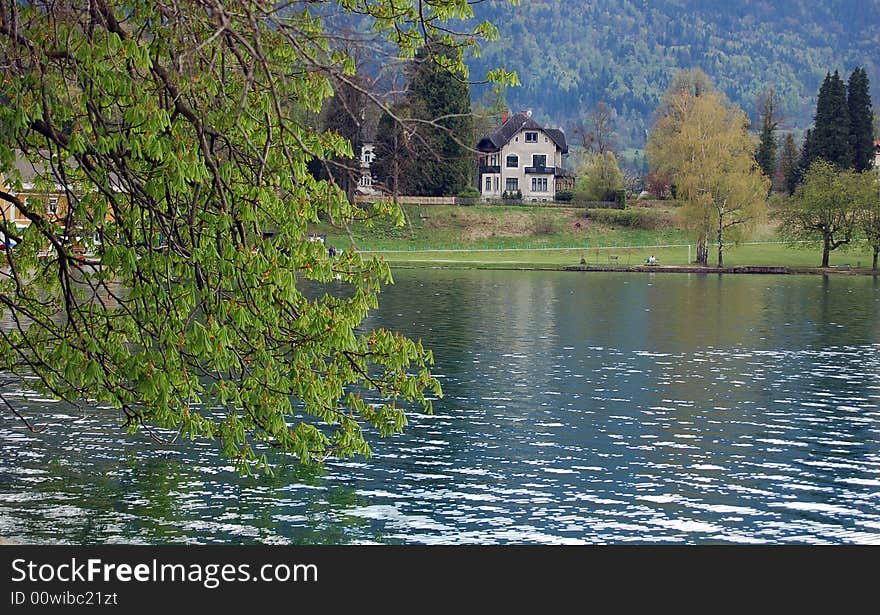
766 154
441 103
831 132
806 158
788 164
861 120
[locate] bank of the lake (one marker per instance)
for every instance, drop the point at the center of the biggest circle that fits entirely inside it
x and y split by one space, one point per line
497 236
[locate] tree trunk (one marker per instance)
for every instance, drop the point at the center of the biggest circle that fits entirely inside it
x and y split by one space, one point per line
720 247
826 251
876 252
702 252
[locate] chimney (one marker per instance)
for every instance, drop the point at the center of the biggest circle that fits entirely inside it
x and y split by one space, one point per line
505 115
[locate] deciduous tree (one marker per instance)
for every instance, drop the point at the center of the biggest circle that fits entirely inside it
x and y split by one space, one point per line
868 204
176 132
597 132
599 178
824 208
704 143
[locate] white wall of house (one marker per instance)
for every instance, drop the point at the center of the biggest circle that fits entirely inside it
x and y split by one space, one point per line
368 155
518 154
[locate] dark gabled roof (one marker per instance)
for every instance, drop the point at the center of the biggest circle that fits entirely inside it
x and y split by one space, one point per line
558 137
515 123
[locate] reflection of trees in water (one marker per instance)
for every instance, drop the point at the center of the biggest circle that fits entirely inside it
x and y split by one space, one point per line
168 496
128 499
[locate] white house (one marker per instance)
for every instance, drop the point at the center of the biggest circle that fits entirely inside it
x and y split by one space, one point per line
368 155
523 157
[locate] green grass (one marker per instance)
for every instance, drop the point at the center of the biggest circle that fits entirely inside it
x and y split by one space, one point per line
747 254
512 236
497 226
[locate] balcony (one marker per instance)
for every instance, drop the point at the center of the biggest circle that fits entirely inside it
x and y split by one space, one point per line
489 169
541 170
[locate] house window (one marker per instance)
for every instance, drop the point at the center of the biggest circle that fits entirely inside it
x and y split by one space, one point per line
539 160
539 184
531 137
53 206
512 161
512 184
497 183
488 184
366 181
493 160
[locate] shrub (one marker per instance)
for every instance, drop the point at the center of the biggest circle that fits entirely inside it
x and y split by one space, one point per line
546 225
469 193
564 196
631 218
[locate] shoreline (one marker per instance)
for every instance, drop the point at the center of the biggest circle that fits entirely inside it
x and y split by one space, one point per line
736 269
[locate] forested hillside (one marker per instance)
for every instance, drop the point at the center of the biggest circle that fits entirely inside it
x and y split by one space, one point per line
571 54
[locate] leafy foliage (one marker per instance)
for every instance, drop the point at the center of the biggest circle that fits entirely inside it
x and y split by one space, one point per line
599 178
702 142
180 134
824 208
867 199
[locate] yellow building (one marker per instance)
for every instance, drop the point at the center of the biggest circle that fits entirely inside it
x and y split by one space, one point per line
38 191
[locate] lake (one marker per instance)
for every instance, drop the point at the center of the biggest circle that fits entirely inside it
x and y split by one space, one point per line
578 408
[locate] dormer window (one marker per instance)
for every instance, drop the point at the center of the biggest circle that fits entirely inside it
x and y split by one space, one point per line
512 161
531 137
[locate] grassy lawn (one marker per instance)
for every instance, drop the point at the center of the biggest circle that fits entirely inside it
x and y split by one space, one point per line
747 254
516 236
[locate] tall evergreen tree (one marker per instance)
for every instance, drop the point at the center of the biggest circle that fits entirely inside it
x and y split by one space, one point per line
861 117
441 101
766 154
806 158
831 131
788 164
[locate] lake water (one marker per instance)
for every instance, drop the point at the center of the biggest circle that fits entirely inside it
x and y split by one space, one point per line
579 408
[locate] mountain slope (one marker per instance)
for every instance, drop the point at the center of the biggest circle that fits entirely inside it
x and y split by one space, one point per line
570 54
